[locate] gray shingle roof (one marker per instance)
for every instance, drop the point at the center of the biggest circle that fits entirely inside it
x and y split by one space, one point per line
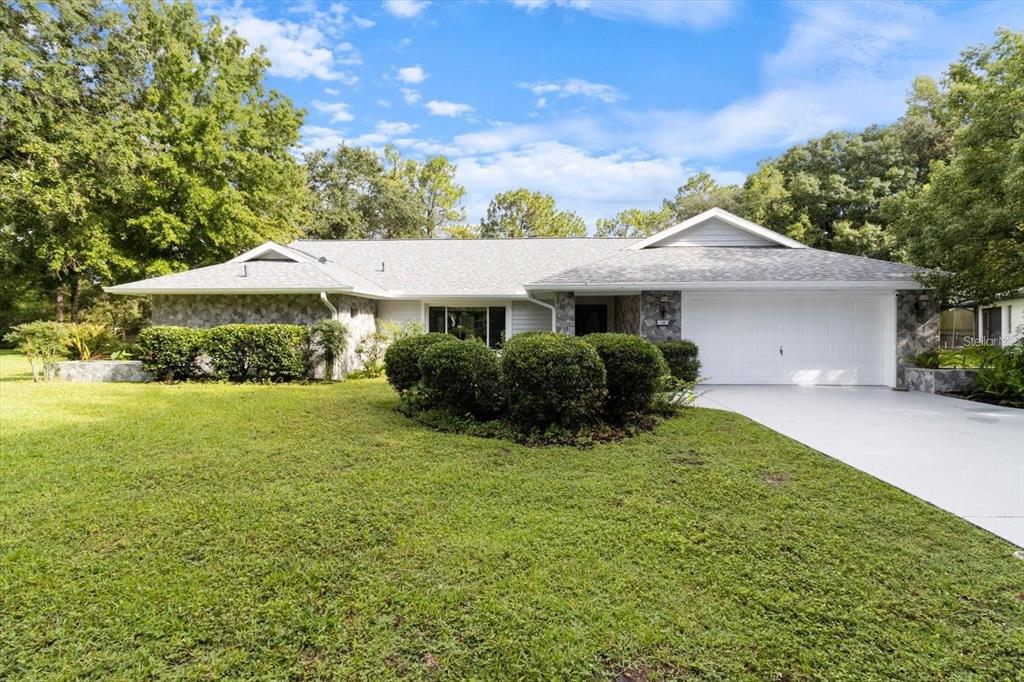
453 268
259 275
728 264
509 267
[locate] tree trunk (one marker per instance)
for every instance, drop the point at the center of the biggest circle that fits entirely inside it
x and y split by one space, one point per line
58 306
76 288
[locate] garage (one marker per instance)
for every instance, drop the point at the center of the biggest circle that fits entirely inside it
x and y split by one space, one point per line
800 338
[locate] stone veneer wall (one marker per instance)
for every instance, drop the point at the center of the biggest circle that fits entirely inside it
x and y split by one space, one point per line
650 313
940 380
917 328
627 315
103 370
356 313
565 313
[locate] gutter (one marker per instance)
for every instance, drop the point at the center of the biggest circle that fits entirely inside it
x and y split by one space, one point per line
330 306
531 299
775 285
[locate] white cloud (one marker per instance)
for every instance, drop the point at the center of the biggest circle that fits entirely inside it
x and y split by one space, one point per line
426 146
405 9
541 102
383 103
412 74
363 22
594 185
576 87
316 138
700 14
333 92
338 111
392 128
451 109
410 96
295 50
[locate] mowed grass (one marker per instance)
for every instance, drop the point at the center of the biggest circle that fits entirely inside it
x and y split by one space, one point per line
204 531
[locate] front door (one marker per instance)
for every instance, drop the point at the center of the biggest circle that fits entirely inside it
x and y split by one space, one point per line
591 318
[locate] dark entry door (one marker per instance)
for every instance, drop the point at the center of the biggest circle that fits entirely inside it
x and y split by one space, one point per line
591 318
992 325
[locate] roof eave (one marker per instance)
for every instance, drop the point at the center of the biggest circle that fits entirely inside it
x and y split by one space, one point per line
885 285
128 290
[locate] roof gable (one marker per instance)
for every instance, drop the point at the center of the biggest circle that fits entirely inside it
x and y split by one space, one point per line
717 227
272 251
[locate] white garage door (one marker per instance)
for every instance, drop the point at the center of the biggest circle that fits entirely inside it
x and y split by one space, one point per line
749 339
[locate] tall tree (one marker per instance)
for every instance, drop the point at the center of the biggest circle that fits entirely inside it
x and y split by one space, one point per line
138 140
432 181
633 222
969 217
699 193
522 213
358 193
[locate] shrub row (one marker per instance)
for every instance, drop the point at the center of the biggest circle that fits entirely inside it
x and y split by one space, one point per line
239 352
540 380
681 357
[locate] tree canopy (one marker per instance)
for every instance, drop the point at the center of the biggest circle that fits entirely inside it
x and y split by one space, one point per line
357 193
138 140
522 213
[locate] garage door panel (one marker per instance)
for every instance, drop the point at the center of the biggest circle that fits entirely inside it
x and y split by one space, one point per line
823 340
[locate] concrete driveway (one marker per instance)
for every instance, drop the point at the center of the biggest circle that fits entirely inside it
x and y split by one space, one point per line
965 457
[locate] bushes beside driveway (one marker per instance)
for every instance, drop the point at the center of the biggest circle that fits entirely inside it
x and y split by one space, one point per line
540 388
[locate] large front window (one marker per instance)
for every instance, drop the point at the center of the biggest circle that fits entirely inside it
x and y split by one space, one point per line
479 322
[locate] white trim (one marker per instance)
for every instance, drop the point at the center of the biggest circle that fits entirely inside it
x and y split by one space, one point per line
152 291
273 247
711 286
724 216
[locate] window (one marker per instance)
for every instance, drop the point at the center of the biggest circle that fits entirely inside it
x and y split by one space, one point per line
480 322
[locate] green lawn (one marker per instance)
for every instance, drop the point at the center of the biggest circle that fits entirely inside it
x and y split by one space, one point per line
202 531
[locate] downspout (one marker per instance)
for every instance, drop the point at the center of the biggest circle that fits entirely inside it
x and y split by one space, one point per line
327 302
531 299
334 316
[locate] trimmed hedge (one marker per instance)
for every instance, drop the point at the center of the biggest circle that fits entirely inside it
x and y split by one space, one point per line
462 375
682 359
552 379
171 353
257 352
402 359
633 367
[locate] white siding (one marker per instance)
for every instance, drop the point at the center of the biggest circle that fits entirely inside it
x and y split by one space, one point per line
528 316
715 232
399 311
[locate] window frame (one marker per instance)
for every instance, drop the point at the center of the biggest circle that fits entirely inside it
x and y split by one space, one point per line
487 304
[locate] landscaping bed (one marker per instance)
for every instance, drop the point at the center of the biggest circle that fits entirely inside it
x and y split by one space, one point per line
206 530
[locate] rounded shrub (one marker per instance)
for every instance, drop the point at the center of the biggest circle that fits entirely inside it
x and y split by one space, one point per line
681 357
257 352
633 368
462 375
171 353
552 379
402 359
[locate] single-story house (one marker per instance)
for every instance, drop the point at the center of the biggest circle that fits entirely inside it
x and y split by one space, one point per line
762 307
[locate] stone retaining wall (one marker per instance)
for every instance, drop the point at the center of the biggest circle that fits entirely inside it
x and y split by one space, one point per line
939 380
103 370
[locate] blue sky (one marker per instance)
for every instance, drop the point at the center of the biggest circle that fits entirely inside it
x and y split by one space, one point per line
605 105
